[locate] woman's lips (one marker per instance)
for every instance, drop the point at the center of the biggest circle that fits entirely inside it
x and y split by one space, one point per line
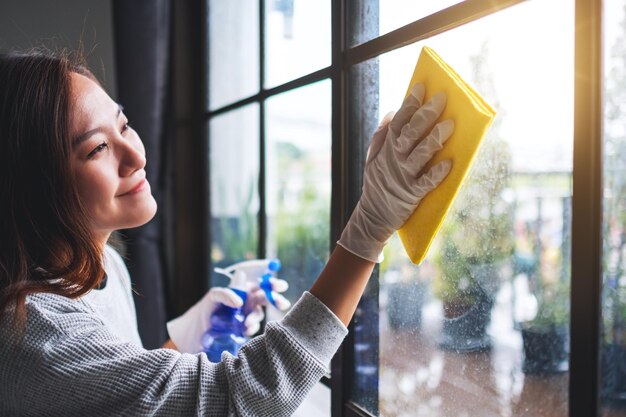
137 188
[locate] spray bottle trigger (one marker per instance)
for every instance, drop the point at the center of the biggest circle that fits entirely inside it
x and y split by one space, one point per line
242 294
266 286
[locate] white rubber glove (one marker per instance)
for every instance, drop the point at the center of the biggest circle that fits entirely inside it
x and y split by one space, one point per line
393 181
187 330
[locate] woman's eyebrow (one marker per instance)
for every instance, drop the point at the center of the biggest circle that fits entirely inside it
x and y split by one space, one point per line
84 136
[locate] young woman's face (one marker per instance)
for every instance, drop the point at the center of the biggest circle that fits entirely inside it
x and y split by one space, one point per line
108 161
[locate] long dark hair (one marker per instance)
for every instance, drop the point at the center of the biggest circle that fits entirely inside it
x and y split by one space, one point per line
45 241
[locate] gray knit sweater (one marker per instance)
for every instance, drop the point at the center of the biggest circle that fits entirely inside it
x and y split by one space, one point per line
84 358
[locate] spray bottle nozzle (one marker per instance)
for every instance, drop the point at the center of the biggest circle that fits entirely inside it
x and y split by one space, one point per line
274 265
258 269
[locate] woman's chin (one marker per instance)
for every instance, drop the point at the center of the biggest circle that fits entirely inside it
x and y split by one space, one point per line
126 217
141 215
149 212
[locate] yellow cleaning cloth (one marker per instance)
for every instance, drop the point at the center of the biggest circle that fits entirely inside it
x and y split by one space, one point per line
472 117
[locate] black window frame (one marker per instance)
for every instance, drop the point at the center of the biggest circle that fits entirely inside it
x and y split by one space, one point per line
191 234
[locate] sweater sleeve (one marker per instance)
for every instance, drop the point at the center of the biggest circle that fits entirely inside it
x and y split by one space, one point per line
70 364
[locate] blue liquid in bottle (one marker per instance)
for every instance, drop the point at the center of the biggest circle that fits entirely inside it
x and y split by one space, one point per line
226 332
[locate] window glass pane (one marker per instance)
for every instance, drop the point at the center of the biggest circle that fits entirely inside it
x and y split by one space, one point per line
613 343
297 39
389 15
482 324
234 173
233 31
298 184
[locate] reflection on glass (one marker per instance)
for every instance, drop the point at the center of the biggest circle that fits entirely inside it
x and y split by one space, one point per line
298 157
388 15
482 324
298 33
234 165
233 56
613 342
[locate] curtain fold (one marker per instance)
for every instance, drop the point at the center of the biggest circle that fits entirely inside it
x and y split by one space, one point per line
142 33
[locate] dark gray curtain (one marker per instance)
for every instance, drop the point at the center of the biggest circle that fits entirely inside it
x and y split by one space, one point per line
142 31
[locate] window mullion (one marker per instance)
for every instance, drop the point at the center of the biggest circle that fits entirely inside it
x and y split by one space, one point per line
586 212
426 27
339 375
262 219
352 95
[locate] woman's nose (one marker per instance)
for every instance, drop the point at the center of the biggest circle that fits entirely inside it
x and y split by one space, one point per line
133 156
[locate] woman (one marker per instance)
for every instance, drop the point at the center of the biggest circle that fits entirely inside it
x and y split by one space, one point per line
71 173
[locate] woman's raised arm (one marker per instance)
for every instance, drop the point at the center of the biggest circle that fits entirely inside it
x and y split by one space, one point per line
394 183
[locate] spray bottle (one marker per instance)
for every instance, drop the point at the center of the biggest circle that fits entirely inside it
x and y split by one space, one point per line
227 324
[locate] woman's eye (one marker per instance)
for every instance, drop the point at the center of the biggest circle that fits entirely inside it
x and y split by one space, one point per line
97 149
125 127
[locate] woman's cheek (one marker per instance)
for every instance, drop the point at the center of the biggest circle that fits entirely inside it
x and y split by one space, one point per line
96 186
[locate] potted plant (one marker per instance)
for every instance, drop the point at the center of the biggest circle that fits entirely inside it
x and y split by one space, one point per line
476 241
475 249
546 337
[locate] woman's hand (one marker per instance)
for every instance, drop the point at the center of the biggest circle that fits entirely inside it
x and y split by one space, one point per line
187 330
253 308
393 185
394 182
